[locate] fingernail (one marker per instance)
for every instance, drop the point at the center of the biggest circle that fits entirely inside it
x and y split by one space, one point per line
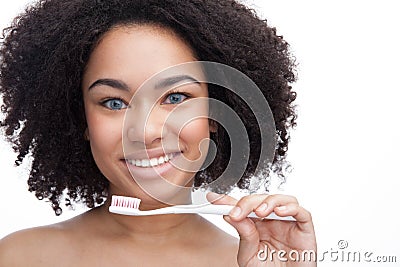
262 207
235 212
281 208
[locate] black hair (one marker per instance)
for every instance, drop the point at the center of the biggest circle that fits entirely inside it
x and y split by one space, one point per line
43 56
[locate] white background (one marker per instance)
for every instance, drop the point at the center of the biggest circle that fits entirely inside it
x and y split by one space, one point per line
345 149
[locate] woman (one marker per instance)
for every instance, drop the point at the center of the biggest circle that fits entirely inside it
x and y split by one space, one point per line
69 71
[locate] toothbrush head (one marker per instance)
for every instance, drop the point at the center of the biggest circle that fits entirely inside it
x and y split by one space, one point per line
122 205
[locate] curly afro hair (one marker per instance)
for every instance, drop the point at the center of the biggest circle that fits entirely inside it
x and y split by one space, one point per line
43 56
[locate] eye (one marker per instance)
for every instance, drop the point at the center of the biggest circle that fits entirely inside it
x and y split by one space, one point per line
175 98
114 104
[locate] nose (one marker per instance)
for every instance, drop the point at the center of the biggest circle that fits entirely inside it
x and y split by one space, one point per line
144 125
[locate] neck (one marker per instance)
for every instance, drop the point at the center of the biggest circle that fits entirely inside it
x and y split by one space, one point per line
150 229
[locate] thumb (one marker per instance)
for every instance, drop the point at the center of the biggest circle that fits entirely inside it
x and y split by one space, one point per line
246 228
249 239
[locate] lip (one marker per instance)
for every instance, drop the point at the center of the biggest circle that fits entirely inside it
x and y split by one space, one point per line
153 172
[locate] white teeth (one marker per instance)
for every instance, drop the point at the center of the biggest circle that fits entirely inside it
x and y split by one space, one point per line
145 163
151 162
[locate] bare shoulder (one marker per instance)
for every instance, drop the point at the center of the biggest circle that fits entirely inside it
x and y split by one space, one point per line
29 247
227 249
40 246
222 248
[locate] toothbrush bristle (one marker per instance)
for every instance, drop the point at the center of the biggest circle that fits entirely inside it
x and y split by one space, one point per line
125 202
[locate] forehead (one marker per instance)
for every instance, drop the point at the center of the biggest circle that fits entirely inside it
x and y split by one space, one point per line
136 52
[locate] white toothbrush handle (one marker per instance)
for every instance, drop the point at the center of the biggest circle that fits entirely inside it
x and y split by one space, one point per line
224 210
204 209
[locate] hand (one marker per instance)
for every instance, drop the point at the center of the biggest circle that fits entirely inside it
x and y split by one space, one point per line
255 234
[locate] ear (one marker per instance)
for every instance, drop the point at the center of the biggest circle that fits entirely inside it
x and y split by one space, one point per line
86 134
213 126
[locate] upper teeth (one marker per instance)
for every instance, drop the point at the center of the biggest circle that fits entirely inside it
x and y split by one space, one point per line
151 162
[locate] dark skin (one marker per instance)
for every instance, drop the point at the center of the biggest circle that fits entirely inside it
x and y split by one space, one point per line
100 238
59 35
160 245
164 240
255 234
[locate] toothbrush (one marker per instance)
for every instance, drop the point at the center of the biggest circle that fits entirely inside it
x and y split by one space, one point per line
130 206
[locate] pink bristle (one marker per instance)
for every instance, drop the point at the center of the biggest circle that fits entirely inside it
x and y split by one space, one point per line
125 202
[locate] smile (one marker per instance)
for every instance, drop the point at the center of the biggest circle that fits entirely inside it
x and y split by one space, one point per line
146 163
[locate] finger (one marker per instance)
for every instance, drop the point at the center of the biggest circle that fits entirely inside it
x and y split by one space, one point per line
271 202
221 199
249 239
248 204
302 216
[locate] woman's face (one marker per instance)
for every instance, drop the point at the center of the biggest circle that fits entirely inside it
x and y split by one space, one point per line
133 141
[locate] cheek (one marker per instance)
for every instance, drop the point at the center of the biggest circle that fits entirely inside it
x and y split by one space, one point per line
194 133
104 135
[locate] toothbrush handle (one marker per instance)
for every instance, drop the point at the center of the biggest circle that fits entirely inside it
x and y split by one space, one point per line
225 209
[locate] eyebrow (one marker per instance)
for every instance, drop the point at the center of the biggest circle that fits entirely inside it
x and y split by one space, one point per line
110 82
166 82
